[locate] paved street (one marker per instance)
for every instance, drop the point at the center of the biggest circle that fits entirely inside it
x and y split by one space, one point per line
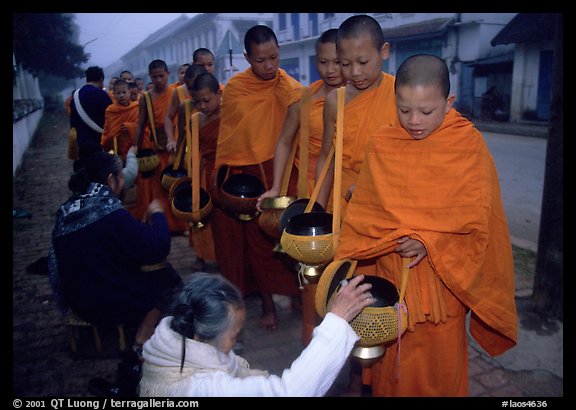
42 364
520 163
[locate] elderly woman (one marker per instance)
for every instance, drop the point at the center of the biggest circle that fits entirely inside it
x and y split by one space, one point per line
106 266
190 353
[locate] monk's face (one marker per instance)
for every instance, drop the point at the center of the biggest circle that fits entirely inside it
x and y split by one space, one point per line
206 61
159 78
328 65
421 109
182 73
122 94
361 62
264 59
206 101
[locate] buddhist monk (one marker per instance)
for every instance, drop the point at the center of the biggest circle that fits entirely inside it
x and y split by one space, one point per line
254 106
428 191
120 123
155 139
328 67
206 98
369 98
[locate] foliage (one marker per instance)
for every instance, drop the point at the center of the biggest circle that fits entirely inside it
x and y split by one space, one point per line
43 44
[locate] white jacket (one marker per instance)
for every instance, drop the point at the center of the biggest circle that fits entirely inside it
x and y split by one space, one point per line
209 372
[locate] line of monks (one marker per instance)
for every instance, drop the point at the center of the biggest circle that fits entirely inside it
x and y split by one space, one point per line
251 125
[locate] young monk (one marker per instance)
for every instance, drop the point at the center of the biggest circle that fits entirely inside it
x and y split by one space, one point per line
254 105
328 67
206 99
201 241
181 72
151 185
428 190
369 99
179 95
205 58
120 123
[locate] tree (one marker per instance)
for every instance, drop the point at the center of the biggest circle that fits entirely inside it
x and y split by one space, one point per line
43 45
548 291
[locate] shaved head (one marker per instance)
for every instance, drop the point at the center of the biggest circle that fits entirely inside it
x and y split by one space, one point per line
357 26
423 70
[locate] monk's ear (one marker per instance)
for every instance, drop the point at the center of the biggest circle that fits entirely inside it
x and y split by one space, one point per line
247 57
450 102
385 51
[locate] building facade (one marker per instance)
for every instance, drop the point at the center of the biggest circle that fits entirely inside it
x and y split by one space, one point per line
463 40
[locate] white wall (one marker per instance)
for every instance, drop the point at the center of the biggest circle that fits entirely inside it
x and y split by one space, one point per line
25 87
22 133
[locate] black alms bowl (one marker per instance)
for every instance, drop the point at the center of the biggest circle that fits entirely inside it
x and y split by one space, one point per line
310 224
243 186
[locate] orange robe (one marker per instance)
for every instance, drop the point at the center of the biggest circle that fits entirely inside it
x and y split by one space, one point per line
363 115
152 187
203 239
252 116
310 318
442 190
253 112
114 117
67 105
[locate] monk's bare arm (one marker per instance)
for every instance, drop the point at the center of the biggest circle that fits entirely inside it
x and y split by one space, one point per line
329 121
168 125
282 152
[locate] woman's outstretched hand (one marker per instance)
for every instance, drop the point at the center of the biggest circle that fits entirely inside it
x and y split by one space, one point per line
352 297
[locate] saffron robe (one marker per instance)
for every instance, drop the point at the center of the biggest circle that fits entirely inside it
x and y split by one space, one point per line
114 117
152 187
363 115
253 112
443 191
252 116
203 239
310 318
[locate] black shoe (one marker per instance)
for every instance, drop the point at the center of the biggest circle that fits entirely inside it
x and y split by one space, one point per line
103 388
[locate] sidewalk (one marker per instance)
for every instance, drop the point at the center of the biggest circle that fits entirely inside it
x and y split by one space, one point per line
43 365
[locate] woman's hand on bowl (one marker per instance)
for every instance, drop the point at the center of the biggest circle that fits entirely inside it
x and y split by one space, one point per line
352 297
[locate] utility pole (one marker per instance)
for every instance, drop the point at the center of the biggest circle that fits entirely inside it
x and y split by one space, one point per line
548 291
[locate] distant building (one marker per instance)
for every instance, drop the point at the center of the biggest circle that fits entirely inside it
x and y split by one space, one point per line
175 43
533 37
461 39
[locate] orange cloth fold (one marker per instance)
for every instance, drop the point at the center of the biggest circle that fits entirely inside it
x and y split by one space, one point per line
253 112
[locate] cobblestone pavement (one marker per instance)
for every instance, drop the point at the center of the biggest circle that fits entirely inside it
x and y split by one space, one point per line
42 364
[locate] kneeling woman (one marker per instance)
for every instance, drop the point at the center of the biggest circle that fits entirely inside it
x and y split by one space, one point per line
106 266
190 353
